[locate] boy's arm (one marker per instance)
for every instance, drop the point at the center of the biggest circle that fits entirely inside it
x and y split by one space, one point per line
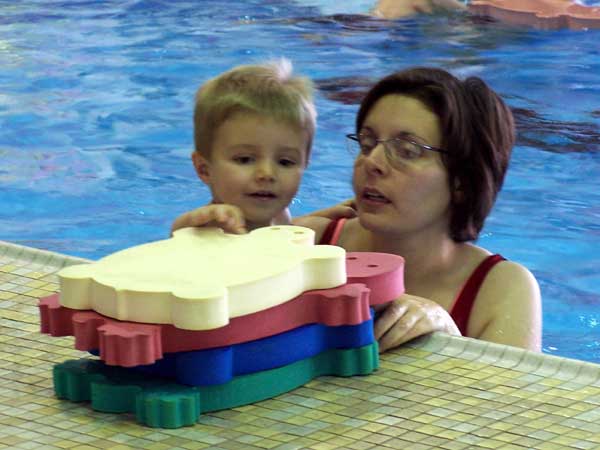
228 217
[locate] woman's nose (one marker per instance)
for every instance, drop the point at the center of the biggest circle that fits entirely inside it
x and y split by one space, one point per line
376 160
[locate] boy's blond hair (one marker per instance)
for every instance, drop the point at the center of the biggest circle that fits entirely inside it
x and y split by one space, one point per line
268 89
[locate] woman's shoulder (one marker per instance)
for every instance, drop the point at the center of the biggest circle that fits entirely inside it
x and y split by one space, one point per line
509 301
504 274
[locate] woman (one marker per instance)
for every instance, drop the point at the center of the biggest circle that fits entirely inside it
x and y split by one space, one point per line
432 152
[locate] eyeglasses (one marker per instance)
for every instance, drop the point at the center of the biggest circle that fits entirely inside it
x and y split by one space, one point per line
398 150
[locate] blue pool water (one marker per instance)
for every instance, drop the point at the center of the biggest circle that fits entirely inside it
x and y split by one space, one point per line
95 124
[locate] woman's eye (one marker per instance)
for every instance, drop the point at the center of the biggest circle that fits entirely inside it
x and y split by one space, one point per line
366 147
406 150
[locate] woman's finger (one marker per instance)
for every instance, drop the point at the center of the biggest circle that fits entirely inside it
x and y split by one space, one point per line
390 315
400 332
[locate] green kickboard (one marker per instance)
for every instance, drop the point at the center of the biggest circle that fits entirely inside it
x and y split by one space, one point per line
158 402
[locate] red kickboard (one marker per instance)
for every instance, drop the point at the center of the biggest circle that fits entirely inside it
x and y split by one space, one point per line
544 14
373 278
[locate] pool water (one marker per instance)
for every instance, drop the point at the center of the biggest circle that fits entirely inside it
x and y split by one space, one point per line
96 131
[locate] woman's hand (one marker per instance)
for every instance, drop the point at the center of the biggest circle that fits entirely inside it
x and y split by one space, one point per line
228 217
409 317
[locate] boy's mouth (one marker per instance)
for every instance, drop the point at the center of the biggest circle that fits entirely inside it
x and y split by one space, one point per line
262 195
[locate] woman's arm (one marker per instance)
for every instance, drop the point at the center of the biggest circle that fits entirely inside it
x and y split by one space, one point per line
507 311
319 220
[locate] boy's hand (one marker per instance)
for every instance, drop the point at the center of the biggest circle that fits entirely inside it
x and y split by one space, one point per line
228 217
345 209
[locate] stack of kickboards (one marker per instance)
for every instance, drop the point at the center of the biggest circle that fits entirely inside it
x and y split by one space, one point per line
206 321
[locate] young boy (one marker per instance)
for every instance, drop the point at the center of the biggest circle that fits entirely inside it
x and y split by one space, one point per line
253 131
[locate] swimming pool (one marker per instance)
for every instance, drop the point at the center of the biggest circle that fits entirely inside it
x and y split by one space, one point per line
95 120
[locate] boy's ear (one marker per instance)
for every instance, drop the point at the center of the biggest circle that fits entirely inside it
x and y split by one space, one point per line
202 166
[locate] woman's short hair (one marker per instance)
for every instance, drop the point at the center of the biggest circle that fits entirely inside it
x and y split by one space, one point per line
477 130
270 89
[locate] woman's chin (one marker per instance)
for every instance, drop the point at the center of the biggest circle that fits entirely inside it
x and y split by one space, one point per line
371 221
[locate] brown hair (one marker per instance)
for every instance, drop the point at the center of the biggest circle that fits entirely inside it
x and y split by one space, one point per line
478 132
268 89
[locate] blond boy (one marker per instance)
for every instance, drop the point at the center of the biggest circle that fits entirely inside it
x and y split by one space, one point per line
253 132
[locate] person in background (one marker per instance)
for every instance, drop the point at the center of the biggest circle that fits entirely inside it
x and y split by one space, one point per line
395 9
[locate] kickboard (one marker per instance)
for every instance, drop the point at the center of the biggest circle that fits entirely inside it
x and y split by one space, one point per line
202 277
131 344
220 365
158 402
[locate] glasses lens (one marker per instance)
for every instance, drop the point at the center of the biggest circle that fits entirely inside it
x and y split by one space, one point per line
402 150
353 146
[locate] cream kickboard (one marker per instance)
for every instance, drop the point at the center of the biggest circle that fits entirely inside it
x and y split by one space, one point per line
201 277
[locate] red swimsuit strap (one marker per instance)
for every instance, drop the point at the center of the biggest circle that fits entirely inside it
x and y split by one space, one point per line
461 310
332 233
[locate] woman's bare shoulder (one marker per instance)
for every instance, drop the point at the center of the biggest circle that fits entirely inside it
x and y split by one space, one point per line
508 307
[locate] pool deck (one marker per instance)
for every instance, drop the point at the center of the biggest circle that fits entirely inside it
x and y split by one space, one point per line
438 392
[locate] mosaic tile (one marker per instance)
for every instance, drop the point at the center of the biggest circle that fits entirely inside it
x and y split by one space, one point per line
436 392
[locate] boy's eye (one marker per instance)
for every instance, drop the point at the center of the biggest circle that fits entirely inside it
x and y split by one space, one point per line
242 159
288 162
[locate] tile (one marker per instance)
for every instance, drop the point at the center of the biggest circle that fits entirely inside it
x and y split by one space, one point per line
455 397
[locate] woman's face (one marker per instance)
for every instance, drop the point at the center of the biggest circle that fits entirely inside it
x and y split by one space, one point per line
411 195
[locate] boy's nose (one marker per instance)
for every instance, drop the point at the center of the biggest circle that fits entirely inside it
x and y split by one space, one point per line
265 171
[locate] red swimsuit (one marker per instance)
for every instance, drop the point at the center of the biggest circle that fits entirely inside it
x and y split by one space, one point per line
463 304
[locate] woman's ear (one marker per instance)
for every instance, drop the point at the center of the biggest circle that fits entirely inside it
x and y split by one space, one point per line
202 166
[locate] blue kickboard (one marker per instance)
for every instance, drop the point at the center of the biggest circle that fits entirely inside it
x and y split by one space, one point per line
221 365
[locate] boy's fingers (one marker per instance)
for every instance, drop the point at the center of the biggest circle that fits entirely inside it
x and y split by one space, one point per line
239 223
200 217
221 215
231 219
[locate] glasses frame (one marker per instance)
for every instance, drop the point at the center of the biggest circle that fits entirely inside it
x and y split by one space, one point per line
356 138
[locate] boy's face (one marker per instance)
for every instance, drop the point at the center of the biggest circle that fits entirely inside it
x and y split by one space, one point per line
256 164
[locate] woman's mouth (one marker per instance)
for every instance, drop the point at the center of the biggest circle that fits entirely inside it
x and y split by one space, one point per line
374 196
